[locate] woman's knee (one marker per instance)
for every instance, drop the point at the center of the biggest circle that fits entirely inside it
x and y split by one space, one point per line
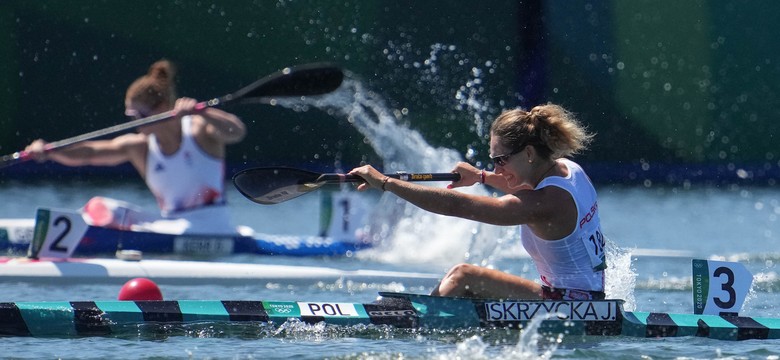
463 274
461 270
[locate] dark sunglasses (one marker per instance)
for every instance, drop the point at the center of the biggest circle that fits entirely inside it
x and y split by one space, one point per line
500 160
135 115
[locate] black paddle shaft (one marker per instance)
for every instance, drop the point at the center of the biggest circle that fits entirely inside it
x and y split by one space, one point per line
273 185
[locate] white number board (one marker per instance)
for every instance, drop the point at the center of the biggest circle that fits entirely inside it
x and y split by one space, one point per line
719 287
57 233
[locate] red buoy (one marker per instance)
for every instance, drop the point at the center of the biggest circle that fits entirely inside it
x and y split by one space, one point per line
140 289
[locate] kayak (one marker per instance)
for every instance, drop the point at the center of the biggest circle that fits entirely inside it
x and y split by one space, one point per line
65 233
176 272
16 235
106 225
397 310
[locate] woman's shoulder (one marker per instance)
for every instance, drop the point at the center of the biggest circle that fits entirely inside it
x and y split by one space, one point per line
569 162
197 124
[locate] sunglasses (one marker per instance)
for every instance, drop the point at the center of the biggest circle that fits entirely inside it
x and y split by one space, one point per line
500 160
135 114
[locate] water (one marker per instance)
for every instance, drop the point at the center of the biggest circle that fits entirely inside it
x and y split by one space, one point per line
660 284
730 223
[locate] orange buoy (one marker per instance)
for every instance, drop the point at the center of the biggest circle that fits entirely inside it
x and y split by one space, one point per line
140 289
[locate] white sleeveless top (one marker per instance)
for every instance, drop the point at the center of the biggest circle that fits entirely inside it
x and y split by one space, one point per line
188 181
576 261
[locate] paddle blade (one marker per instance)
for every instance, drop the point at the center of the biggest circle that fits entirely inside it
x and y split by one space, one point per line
302 80
270 186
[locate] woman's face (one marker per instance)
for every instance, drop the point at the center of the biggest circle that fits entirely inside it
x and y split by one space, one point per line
512 164
135 111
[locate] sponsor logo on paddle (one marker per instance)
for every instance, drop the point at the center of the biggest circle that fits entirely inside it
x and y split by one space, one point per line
553 310
277 195
421 177
328 309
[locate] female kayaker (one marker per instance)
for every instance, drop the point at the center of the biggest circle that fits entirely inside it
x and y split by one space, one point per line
549 196
181 159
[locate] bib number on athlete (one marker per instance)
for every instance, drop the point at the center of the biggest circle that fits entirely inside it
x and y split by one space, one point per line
719 287
595 243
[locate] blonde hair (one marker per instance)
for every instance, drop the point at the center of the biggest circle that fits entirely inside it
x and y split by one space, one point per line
156 87
552 130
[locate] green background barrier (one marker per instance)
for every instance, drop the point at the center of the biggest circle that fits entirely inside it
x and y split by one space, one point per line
692 83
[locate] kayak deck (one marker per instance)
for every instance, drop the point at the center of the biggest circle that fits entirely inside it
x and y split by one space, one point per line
572 318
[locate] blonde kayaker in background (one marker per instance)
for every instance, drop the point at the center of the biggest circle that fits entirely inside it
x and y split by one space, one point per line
181 159
550 197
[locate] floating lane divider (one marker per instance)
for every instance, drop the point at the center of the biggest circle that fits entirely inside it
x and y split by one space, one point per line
573 318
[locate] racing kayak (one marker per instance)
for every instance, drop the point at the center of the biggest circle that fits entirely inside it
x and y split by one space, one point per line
398 310
66 233
16 235
116 271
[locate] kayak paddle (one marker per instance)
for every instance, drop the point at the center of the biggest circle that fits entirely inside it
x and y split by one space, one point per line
303 80
273 185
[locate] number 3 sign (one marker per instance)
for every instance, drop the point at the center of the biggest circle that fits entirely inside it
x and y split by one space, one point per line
719 287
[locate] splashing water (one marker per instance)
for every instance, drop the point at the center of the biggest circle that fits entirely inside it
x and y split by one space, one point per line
620 276
403 232
529 346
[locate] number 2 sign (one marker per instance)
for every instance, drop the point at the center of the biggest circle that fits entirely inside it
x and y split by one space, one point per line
719 287
57 233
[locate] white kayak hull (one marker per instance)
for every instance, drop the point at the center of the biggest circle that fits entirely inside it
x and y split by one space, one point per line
78 270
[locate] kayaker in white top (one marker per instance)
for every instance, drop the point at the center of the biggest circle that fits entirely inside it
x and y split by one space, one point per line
181 158
550 197
187 179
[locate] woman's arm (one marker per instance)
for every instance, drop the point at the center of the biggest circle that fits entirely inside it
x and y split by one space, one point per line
525 207
98 153
222 126
470 175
